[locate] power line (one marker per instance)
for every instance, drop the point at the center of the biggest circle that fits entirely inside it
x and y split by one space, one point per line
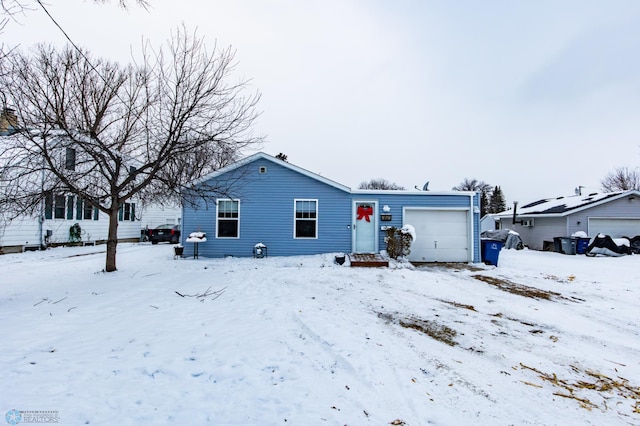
76 47
69 38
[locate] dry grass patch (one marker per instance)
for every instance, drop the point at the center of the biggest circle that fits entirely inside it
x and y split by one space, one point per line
431 328
592 382
458 305
519 289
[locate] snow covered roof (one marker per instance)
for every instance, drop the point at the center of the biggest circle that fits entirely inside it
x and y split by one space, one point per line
562 206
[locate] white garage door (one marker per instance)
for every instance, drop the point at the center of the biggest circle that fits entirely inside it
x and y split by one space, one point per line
441 235
614 227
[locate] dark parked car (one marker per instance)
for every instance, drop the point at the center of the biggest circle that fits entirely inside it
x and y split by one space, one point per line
168 232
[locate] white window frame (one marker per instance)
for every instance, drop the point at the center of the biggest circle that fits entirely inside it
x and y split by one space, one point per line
295 219
227 218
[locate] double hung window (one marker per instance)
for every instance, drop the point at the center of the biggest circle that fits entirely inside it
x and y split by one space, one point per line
228 219
306 219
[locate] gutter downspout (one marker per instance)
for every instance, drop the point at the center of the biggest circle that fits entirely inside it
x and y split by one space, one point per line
515 207
472 228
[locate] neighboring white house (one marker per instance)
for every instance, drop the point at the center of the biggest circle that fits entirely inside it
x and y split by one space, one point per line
489 222
154 215
59 213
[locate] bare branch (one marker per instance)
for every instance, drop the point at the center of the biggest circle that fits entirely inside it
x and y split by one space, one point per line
207 293
621 179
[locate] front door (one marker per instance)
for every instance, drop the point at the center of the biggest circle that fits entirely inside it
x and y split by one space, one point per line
364 227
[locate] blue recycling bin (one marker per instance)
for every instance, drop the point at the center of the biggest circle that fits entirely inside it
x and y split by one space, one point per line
582 245
490 251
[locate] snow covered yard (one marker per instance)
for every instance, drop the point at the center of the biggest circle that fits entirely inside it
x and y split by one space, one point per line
542 339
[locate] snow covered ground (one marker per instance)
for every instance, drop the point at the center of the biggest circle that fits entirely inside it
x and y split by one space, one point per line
542 339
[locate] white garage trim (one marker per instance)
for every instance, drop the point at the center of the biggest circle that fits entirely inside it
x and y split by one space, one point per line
443 234
615 227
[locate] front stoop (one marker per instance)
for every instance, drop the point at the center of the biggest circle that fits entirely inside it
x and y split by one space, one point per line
367 260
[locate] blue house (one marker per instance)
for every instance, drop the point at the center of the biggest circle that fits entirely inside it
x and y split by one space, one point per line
296 212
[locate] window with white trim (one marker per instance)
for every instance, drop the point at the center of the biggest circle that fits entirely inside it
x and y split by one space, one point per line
127 212
54 206
58 206
228 219
85 210
306 219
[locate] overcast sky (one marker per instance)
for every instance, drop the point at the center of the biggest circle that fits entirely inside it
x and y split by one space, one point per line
535 96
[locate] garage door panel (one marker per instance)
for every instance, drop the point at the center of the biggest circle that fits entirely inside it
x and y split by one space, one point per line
441 235
616 228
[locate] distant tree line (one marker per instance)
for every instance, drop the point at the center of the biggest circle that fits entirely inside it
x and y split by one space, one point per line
380 183
491 197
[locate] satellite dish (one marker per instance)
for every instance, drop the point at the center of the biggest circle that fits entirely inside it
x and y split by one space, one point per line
426 186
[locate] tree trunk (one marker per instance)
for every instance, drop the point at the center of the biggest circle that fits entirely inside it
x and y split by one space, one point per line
112 240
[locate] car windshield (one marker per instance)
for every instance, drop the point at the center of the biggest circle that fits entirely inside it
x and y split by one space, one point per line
165 226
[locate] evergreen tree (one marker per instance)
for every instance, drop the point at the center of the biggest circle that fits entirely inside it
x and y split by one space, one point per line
497 202
485 206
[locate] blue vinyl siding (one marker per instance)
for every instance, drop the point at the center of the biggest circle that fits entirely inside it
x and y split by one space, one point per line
398 200
267 211
267 215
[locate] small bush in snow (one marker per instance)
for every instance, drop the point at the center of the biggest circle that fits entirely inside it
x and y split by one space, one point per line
399 241
75 233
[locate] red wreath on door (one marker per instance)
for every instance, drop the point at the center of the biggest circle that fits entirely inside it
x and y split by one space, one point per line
364 213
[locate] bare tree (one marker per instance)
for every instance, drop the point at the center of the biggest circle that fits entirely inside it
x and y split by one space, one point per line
473 185
380 184
480 186
621 179
107 133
